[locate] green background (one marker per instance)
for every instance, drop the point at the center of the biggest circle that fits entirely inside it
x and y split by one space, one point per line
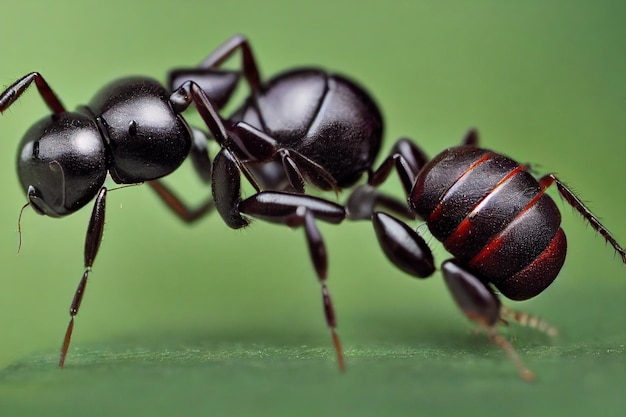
204 320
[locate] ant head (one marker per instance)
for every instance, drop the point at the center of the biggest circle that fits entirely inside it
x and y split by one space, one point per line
61 163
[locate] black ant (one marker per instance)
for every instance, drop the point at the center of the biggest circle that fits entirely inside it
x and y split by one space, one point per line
302 126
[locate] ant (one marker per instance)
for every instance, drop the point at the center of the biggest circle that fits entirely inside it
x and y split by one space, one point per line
303 126
494 217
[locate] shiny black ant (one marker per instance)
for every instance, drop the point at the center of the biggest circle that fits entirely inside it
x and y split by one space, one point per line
494 217
302 126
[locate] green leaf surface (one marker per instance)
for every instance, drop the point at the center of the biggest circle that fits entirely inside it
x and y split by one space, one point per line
263 380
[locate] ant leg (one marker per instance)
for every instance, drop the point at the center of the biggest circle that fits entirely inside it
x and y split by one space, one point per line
225 51
178 207
92 244
301 169
189 93
577 204
407 158
281 207
199 154
202 165
317 251
222 53
297 210
365 199
248 143
410 253
218 83
482 306
253 145
15 90
226 188
527 320
406 249
471 138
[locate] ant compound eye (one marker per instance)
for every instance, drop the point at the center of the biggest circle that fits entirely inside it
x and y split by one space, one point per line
36 150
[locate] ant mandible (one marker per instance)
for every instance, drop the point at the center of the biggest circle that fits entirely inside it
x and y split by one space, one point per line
302 126
493 216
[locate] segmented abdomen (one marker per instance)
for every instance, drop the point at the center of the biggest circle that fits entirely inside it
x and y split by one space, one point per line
493 216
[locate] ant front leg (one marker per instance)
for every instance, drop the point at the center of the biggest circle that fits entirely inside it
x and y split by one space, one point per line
92 244
297 210
202 166
482 306
15 90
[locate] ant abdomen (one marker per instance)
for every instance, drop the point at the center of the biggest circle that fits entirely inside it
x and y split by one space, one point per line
493 216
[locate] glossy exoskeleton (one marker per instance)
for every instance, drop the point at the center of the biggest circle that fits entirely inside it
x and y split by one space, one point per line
302 126
494 217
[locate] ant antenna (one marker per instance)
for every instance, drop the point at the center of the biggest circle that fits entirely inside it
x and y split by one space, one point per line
125 186
19 227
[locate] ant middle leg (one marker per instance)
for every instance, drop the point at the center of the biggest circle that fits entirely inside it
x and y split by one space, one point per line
297 210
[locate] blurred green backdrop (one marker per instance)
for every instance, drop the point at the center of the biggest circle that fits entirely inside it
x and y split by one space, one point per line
204 320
